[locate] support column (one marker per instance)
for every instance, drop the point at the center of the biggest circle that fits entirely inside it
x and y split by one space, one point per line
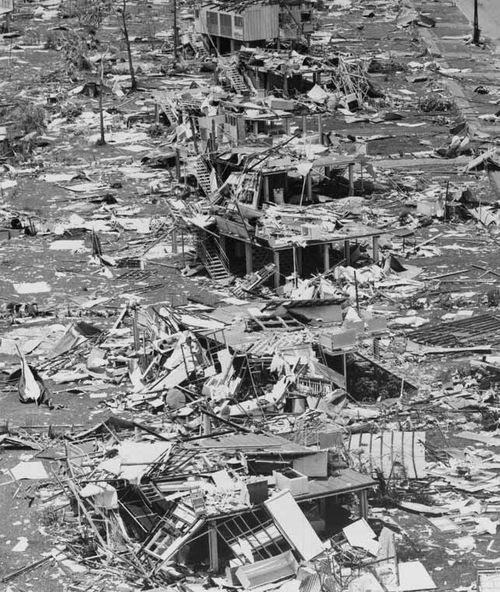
351 179
304 126
277 269
157 114
256 127
213 548
347 252
375 250
326 257
363 503
265 187
248 258
309 187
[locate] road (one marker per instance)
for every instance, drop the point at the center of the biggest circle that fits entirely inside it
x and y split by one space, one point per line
489 16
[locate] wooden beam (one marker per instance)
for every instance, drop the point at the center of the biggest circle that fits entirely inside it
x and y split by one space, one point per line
213 548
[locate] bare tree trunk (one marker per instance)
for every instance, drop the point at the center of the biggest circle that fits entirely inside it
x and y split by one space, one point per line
129 51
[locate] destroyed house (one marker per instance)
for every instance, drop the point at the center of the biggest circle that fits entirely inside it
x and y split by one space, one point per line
238 500
279 215
228 25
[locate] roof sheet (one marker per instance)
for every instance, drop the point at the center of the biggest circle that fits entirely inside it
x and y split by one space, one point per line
267 443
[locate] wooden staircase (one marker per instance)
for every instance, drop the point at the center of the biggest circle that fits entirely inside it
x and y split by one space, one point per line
166 107
214 260
203 175
236 79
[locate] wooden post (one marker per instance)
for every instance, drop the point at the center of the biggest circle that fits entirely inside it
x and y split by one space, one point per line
351 179
277 270
326 257
309 187
157 114
214 136
248 258
375 251
356 289
265 187
213 548
177 164
363 503
347 252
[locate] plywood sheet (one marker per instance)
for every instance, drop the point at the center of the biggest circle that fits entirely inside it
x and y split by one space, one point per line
294 526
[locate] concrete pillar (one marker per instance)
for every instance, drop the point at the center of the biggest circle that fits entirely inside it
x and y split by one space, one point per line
157 114
320 127
255 127
375 250
304 126
277 270
248 258
347 252
326 257
351 179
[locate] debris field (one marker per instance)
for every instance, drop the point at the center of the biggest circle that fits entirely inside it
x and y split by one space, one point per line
249 297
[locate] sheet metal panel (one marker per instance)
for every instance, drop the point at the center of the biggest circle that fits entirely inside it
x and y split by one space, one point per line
387 450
